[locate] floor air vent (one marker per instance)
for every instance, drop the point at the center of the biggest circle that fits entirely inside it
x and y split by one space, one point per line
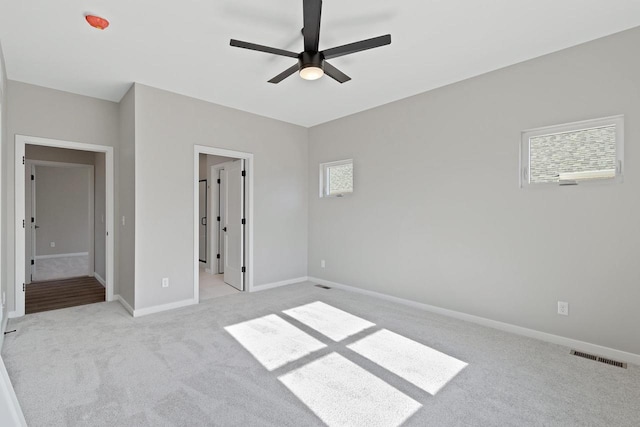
599 359
323 287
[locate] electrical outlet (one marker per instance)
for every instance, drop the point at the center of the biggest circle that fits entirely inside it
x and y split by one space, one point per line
52 244
165 282
563 308
322 263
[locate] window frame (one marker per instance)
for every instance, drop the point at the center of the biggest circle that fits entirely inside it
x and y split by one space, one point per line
525 155
324 178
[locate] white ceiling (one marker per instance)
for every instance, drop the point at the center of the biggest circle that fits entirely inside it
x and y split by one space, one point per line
183 46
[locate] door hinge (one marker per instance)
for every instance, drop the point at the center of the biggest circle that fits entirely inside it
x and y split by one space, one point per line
23 160
218 256
218 180
33 178
23 223
244 269
244 221
33 220
244 173
33 262
218 219
24 288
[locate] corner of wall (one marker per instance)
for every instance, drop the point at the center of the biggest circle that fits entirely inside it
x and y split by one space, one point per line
125 196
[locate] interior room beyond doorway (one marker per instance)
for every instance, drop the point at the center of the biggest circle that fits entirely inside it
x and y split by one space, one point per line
221 237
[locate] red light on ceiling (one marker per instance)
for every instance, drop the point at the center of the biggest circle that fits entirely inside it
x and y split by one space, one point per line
97 22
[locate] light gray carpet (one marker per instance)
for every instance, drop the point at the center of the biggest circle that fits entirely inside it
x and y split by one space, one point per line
241 360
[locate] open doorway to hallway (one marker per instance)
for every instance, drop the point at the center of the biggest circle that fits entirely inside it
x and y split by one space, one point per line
65 239
223 222
221 226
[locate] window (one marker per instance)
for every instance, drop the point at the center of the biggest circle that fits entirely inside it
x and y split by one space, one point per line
336 178
573 153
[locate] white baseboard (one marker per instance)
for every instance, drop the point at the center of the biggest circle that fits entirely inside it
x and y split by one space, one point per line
62 255
506 327
278 284
124 304
14 417
164 307
12 315
100 279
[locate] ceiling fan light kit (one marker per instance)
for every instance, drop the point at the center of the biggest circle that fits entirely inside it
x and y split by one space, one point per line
312 63
311 66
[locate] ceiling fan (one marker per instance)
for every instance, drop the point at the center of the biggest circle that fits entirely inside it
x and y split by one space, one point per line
312 63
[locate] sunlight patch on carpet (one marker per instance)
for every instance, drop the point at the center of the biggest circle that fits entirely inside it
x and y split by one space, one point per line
419 364
328 320
342 393
273 341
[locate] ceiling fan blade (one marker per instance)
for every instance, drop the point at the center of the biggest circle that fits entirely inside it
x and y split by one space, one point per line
260 48
357 46
286 73
311 30
335 74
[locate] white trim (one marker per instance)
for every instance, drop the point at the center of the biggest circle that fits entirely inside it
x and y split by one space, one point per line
164 307
124 303
266 286
506 327
100 279
248 158
62 255
15 416
20 142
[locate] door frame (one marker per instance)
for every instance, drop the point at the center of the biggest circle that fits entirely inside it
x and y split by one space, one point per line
248 235
90 207
19 200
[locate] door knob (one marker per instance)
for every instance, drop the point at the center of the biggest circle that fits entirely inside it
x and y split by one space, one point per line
37 226
224 229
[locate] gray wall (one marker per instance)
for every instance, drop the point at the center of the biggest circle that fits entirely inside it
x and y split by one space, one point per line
167 127
100 226
62 209
126 201
49 113
437 215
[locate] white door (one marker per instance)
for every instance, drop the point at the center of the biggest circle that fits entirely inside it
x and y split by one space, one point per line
30 224
233 228
203 221
222 197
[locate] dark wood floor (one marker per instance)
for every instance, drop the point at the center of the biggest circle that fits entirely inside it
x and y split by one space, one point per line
55 294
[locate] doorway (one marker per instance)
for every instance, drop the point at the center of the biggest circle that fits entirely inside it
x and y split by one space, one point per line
59 236
225 221
64 218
